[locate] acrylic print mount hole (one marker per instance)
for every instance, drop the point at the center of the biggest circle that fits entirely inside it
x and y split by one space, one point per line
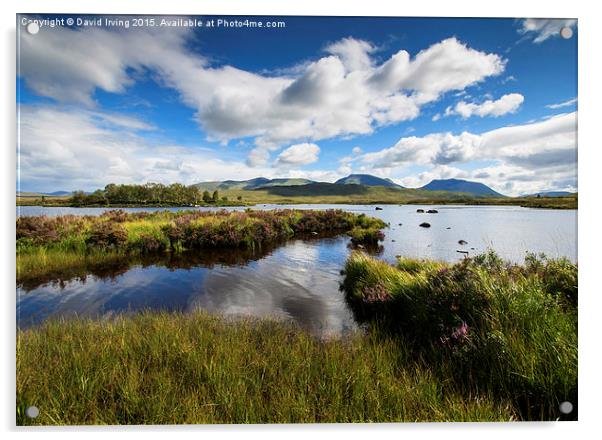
566 33
33 28
32 412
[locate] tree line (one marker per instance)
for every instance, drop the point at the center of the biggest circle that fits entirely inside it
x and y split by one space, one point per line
147 194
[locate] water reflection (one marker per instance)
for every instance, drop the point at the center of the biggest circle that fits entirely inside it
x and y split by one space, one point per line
298 281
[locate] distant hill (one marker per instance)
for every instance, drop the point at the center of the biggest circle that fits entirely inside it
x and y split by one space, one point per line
463 186
551 194
40 194
258 182
59 193
368 180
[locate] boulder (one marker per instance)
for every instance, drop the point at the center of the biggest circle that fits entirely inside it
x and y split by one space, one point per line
462 242
432 211
420 211
378 208
425 225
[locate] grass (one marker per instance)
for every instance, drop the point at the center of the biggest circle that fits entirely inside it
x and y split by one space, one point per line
160 368
491 326
47 245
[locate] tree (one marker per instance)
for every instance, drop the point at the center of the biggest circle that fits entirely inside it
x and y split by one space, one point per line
78 198
206 196
239 198
215 196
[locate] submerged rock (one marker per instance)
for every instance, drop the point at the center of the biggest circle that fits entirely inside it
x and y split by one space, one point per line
425 225
378 208
462 252
432 211
462 242
420 211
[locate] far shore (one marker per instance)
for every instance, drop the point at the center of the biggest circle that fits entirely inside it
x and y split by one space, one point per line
525 202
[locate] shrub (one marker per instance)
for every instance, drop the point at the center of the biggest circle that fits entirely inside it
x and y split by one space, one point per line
369 236
107 235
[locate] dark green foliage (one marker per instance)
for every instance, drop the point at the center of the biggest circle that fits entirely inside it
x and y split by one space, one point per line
147 194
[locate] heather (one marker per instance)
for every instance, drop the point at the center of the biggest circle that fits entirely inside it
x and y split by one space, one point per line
489 325
51 244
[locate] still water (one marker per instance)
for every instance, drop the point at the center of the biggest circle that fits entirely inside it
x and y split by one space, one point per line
297 280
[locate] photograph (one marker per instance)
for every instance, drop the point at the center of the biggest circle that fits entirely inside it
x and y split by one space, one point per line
294 219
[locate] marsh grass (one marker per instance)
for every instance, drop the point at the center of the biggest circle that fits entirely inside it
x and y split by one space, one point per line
166 368
47 245
491 326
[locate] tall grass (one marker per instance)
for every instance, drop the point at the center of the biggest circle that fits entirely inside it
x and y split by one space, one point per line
46 245
160 368
491 326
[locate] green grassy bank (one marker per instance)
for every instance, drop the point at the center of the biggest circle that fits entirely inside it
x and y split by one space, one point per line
490 326
51 245
164 368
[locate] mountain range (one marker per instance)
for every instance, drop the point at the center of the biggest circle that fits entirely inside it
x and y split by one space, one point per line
451 185
463 186
551 194
368 180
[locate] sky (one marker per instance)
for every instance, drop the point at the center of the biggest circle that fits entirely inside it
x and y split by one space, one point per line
410 99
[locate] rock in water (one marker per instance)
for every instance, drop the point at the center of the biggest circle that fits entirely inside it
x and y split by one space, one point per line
425 225
462 242
420 211
378 208
432 211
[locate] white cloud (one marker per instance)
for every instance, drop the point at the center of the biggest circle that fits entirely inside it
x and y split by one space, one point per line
345 93
562 104
92 149
299 154
543 28
529 157
355 54
506 104
356 150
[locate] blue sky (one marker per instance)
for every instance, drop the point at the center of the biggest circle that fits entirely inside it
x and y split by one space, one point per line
412 99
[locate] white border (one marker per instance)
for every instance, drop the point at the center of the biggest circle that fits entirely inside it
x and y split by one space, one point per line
590 75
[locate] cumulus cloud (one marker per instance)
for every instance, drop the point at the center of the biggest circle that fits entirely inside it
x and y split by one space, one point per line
354 54
536 154
93 148
344 93
299 154
543 28
506 104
